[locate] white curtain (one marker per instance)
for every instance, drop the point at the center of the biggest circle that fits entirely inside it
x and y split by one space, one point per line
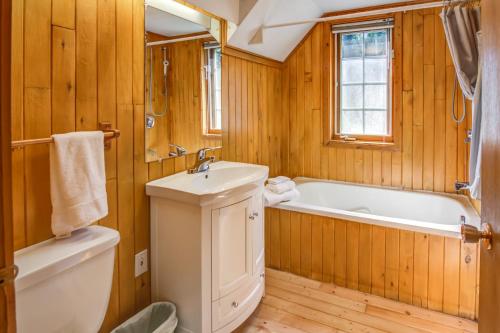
475 148
462 29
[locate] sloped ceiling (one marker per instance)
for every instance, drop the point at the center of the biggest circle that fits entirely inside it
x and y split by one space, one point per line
250 15
227 9
278 43
165 24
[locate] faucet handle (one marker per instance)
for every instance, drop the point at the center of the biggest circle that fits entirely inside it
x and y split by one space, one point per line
179 150
203 152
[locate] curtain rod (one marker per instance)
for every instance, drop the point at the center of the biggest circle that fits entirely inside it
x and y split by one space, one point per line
403 8
175 40
258 36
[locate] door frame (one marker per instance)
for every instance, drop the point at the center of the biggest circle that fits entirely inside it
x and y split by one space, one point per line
7 295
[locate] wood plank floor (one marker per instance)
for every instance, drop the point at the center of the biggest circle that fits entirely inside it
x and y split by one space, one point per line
297 305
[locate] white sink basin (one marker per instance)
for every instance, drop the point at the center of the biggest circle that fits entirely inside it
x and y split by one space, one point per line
221 180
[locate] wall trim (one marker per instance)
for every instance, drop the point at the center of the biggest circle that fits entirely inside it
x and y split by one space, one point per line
245 55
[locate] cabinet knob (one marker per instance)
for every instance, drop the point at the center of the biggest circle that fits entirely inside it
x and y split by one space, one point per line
235 304
255 214
262 275
251 217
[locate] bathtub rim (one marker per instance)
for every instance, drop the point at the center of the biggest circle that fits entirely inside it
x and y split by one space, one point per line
432 228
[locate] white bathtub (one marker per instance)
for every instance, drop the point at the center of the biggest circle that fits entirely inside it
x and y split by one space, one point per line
432 213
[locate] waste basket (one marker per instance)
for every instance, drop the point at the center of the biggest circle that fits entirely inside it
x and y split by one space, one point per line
160 317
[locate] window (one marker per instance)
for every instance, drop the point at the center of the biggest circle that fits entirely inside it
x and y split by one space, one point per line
363 58
212 55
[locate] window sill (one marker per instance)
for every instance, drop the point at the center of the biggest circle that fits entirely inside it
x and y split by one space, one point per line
358 144
212 136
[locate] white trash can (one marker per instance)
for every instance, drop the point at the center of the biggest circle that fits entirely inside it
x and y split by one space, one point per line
160 317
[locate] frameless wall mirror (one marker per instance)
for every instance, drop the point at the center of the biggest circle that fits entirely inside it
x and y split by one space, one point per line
183 80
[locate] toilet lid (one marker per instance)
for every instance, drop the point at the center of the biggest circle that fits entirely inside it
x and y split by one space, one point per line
41 261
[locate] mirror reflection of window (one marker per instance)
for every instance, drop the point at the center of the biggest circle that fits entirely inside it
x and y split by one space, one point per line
182 80
212 52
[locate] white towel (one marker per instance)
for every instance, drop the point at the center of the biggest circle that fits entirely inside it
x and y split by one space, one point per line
77 181
271 198
277 180
282 187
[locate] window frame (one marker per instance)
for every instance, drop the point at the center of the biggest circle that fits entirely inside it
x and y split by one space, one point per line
338 108
208 98
331 90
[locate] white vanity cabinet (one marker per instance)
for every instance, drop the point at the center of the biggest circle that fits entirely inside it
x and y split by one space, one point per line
207 247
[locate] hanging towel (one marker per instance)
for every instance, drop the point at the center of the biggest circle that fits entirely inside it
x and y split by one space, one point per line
277 180
77 181
282 187
271 198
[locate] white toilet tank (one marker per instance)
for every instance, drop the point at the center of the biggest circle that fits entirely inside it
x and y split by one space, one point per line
64 285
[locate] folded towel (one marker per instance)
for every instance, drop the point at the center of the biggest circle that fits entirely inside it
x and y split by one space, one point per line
271 198
282 187
278 180
77 181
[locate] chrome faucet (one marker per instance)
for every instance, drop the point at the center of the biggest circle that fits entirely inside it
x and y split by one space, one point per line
179 150
202 153
461 186
201 165
202 161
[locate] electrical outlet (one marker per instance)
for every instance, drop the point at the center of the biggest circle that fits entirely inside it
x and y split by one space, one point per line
141 263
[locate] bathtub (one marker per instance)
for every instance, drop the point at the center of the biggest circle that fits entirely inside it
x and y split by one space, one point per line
419 211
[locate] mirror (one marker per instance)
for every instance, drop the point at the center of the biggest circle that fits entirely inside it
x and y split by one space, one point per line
182 80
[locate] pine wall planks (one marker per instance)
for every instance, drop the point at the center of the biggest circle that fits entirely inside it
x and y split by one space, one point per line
421 269
434 272
433 154
78 62
184 121
251 118
75 63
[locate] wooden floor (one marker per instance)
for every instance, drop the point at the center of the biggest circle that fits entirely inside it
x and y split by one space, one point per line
297 305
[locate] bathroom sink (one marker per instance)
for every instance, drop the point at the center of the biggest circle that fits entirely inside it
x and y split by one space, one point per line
221 180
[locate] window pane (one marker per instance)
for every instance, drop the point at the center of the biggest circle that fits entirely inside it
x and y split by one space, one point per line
352 97
352 122
375 96
352 45
375 43
352 71
376 70
364 78
214 87
376 122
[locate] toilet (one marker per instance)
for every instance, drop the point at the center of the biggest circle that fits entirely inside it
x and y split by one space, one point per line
64 285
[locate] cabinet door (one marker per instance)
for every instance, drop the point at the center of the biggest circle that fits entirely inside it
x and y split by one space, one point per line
231 248
257 234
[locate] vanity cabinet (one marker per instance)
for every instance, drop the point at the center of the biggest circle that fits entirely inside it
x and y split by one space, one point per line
237 259
207 252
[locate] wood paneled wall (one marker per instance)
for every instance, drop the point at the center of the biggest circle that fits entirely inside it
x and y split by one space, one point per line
433 154
75 63
251 117
78 62
421 269
184 121
434 272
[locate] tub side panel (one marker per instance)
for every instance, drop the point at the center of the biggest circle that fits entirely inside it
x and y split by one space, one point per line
428 271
